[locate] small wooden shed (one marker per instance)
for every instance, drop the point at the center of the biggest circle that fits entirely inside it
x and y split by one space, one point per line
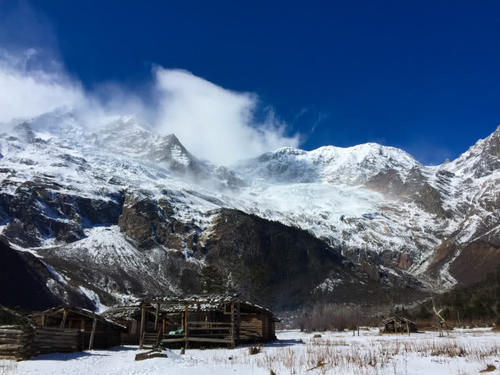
198 319
399 324
95 331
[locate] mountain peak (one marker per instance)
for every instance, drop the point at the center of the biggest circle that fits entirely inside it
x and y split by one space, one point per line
481 159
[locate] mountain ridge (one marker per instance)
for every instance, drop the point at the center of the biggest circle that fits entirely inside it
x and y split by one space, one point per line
395 220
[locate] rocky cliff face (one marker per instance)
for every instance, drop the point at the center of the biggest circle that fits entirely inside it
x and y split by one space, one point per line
118 211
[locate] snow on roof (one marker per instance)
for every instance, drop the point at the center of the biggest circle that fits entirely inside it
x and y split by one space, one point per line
124 312
393 318
81 311
203 302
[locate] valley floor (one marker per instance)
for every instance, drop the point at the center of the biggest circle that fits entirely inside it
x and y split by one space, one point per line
462 352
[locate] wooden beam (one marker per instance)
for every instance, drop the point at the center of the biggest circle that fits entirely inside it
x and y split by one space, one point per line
143 326
82 334
92 334
238 321
43 320
177 339
186 317
157 313
233 325
65 316
207 339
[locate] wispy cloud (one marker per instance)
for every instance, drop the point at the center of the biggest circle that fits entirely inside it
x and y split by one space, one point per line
27 90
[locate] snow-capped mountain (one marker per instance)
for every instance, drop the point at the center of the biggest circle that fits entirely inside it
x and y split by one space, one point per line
116 210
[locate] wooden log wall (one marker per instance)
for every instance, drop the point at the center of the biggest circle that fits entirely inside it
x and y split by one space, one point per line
23 342
251 328
56 340
15 342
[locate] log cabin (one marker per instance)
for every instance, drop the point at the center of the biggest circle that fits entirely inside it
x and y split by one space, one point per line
399 324
94 331
194 320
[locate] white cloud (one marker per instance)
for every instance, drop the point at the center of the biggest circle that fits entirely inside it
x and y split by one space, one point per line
26 92
215 123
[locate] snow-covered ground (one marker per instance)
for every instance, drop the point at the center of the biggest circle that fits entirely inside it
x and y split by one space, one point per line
462 352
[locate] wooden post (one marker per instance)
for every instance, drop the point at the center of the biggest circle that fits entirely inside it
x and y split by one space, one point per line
82 334
43 320
233 331
238 322
141 332
186 315
65 316
163 326
92 334
157 313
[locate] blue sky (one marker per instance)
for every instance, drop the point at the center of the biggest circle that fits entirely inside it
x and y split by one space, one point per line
423 76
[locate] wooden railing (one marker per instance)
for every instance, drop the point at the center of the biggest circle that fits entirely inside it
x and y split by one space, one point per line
210 332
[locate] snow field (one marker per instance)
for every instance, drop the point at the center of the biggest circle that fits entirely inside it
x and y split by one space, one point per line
462 352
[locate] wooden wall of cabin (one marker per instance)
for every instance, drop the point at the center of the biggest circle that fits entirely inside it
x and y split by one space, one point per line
106 334
256 326
251 327
105 337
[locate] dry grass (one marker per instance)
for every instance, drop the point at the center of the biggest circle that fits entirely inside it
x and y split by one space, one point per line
254 350
322 355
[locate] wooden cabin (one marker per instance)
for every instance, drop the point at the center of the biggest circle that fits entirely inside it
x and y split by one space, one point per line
95 331
198 320
399 324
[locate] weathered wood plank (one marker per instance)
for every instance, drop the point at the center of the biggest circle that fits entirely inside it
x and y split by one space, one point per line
207 339
177 339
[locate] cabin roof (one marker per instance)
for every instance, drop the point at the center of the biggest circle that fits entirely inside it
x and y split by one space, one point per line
123 312
206 302
9 316
396 318
176 304
79 311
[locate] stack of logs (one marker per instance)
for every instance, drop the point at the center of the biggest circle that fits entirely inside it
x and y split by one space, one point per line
16 342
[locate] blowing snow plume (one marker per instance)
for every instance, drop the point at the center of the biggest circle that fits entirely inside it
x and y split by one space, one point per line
214 123
217 124
27 90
